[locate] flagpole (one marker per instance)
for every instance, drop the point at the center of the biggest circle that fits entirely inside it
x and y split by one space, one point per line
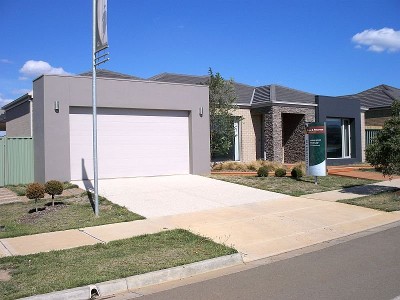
95 165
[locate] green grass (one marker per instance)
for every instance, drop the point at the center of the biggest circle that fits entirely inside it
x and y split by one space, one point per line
293 187
387 201
58 270
20 189
77 212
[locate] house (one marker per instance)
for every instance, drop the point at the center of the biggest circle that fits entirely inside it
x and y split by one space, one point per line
273 120
2 120
171 113
145 128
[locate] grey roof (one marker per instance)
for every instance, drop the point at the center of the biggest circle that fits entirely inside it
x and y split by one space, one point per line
110 74
380 96
262 95
180 78
23 98
277 93
244 92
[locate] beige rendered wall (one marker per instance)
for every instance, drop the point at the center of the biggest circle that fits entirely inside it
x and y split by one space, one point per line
250 135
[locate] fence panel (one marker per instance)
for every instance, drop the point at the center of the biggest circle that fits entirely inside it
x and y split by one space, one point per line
2 160
370 135
17 157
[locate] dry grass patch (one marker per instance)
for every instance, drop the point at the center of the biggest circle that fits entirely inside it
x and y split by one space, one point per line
69 212
246 167
293 187
387 201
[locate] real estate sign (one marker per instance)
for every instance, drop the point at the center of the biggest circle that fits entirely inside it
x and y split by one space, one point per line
315 143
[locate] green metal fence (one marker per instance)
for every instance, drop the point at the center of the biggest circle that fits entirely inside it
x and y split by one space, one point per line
370 135
16 160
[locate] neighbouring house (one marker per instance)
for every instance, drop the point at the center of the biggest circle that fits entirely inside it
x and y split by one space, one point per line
160 125
145 128
378 101
2 120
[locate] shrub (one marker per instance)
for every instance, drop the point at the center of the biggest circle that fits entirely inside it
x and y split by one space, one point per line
297 173
35 191
53 187
280 172
263 172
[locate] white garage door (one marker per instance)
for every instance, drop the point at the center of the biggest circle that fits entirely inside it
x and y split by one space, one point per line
130 143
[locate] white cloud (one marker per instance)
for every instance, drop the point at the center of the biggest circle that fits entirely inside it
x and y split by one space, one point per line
20 91
5 61
34 68
4 101
385 39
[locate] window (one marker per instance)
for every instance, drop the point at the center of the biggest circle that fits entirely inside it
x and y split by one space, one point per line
234 152
338 138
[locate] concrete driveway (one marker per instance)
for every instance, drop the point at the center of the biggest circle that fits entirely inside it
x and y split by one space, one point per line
257 223
177 194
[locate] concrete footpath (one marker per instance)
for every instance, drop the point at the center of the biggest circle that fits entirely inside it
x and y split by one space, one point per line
257 230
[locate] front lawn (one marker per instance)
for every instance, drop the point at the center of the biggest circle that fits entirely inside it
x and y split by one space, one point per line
58 270
293 187
387 201
69 213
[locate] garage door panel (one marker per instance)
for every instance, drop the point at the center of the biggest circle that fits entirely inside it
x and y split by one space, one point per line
141 143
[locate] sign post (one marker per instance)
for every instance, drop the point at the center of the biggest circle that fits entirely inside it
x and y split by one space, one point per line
100 42
315 145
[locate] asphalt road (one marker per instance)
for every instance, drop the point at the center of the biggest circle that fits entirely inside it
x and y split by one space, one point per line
362 268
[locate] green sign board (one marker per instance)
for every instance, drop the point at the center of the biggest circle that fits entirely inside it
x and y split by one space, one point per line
315 143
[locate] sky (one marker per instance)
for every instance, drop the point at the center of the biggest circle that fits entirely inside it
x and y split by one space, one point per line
334 47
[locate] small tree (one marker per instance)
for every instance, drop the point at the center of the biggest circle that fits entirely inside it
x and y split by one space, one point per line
35 191
53 187
222 104
384 152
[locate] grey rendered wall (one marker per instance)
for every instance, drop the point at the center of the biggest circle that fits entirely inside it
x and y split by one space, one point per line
19 120
342 108
51 129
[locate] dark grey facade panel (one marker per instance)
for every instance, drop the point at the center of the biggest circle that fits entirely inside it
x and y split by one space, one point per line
348 108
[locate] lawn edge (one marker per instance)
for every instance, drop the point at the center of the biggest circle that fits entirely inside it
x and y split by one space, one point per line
116 286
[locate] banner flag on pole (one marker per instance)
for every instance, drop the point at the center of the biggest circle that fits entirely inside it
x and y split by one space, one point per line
101 25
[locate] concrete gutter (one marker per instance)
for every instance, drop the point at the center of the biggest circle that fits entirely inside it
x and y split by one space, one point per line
109 288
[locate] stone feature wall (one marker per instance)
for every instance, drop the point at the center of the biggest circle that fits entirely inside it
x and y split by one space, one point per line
293 137
273 128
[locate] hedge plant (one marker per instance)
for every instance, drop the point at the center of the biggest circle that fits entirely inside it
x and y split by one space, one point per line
263 171
280 172
53 187
35 191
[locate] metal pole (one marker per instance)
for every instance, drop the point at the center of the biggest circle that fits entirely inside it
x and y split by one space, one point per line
96 179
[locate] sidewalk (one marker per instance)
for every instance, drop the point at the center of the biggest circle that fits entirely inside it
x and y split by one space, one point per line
257 230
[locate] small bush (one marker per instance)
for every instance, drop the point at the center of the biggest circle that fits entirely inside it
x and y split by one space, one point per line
263 172
297 173
280 172
35 191
53 187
